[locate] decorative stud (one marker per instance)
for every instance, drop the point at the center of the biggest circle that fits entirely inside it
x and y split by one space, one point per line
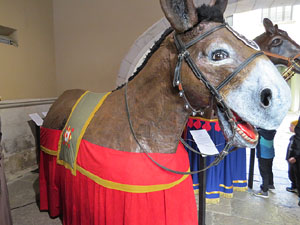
202 113
177 82
180 87
181 94
194 113
186 106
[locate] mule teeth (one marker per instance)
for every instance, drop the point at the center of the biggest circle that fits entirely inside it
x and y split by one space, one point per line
245 136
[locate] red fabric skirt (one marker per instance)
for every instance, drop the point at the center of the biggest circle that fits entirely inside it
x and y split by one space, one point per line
98 193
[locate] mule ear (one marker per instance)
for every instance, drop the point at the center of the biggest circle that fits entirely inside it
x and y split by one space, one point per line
269 26
220 4
181 14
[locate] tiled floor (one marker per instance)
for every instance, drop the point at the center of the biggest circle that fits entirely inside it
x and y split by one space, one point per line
243 209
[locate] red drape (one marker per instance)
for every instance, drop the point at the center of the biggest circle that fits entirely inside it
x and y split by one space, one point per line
82 200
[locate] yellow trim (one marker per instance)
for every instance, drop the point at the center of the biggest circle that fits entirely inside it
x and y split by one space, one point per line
128 187
48 151
204 119
226 187
87 122
212 192
239 181
61 162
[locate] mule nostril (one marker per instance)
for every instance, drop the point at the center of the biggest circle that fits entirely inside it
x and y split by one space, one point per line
265 97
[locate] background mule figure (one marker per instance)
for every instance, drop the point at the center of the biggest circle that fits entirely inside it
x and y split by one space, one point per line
281 49
101 156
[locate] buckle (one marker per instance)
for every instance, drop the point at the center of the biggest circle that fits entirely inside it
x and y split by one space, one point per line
183 54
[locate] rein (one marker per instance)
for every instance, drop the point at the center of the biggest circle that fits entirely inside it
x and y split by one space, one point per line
291 64
183 53
215 162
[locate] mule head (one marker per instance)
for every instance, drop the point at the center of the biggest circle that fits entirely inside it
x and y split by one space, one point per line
245 80
278 42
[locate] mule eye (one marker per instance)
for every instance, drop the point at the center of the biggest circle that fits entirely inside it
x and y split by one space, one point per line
276 42
219 55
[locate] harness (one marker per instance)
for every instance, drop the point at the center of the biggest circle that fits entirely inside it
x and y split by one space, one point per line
291 64
183 53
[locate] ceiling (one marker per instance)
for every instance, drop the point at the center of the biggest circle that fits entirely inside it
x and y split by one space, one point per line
238 6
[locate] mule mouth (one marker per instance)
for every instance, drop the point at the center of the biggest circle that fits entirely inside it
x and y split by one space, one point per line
245 134
245 129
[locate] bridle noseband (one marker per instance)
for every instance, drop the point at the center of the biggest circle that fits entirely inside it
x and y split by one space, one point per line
183 53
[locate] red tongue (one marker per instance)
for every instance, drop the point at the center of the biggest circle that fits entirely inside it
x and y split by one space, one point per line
245 127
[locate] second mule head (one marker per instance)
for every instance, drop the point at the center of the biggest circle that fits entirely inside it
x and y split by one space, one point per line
279 46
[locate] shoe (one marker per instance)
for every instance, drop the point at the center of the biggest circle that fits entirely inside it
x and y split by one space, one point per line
271 187
290 189
261 193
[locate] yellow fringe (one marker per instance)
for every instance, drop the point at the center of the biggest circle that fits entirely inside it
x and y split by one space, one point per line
240 189
212 200
226 195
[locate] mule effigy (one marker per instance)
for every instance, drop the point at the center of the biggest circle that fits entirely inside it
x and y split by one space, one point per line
117 159
280 48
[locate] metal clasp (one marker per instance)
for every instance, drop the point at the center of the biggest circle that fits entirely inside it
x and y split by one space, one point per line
183 54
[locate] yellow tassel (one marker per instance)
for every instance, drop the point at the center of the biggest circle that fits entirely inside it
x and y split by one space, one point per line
226 195
212 200
240 189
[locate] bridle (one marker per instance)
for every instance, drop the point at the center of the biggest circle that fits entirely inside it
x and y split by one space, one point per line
288 73
183 54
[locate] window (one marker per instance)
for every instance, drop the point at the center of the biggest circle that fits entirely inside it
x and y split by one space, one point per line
8 36
278 14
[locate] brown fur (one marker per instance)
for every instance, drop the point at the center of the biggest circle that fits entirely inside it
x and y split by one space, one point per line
157 113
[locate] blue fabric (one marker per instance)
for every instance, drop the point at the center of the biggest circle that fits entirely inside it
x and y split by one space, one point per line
229 173
265 148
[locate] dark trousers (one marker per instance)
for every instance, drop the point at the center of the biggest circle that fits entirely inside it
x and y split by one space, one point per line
265 169
292 176
295 174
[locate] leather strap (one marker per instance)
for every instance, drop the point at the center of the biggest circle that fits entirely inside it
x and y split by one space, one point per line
238 69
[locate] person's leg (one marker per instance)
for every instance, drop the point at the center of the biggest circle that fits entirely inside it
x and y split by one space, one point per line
263 192
271 177
296 167
264 172
292 178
